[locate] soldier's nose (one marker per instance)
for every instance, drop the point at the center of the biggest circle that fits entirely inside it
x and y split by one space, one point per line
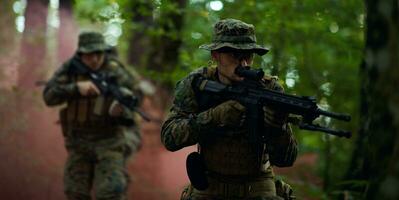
96 58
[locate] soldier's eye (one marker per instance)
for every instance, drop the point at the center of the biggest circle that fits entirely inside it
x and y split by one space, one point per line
242 55
98 53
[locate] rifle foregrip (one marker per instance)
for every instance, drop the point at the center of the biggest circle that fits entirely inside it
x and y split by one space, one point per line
209 86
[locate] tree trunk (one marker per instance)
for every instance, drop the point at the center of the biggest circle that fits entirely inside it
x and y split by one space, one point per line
139 42
278 50
67 32
8 65
377 156
165 49
8 42
33 47
157 52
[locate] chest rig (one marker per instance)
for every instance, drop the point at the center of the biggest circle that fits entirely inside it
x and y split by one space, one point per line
226 152
88 114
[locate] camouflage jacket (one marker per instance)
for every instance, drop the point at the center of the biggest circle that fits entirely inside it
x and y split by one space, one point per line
179 131
86 112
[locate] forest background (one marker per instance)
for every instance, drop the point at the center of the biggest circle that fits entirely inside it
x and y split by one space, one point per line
345 53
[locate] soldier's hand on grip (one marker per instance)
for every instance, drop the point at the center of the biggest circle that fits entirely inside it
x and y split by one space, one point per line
116 109
88 88
229 113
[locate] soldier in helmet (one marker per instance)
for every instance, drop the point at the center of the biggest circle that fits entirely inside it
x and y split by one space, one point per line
231 167
98 144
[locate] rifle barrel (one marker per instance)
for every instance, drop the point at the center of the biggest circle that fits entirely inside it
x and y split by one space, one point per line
339 116
313 127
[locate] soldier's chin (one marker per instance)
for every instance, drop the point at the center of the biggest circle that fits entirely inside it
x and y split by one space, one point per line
237 79
95 67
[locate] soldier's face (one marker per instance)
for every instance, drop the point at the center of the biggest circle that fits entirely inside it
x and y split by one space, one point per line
93 60
227 63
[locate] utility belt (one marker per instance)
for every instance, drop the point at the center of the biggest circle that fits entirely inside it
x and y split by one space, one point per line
238 187
199 173
93 133
91 112
97 121
264 171
105 123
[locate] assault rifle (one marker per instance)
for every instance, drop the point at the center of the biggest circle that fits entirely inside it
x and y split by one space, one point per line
108 87
254 96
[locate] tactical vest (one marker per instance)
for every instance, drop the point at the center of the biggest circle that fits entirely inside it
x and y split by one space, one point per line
87 114
229 152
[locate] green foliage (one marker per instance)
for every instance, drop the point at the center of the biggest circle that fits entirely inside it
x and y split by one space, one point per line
351 189
101 15
306 190
99 10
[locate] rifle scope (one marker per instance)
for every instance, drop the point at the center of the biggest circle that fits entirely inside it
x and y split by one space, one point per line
248 73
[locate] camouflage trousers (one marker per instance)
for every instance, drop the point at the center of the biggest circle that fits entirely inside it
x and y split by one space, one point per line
96 166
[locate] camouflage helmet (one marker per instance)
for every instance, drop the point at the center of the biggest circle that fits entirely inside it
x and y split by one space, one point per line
91 42
235 34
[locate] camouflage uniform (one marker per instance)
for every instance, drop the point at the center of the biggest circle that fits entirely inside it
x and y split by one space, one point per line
97 146
233 169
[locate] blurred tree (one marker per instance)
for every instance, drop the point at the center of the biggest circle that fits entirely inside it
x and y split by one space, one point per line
8 62
33 46
376 156
141 25
165 45
7 21
67 32
7 40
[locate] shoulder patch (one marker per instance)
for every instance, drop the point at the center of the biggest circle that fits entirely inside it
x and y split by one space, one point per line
270 82
210 72
196 71
184 95
62 79
270 78
113 64
207 72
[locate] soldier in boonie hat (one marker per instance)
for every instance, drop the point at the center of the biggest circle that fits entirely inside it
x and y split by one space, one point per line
91 49
226 165
100 133
234 34
91 42
233 44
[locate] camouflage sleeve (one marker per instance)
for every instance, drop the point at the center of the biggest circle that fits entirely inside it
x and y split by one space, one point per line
127 80
60 88
282 147
178 130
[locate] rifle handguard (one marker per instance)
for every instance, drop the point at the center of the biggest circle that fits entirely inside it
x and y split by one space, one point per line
249 93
